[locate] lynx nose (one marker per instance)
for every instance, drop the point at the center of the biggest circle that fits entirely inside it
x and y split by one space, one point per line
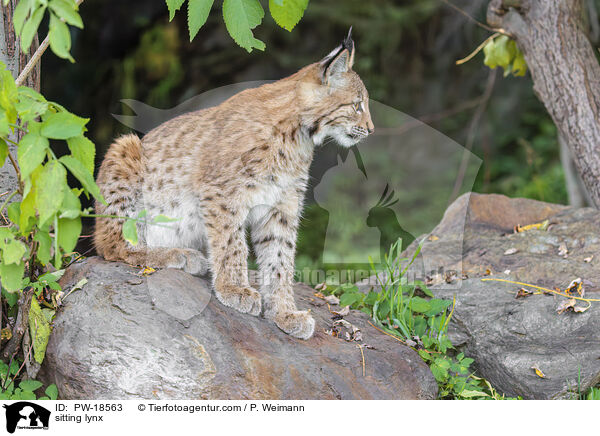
370 130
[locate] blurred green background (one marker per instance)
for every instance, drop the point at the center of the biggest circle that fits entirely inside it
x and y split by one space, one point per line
406 53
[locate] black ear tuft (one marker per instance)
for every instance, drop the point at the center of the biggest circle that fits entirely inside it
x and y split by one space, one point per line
348 43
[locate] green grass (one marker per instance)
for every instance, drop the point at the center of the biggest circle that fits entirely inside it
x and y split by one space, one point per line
411 313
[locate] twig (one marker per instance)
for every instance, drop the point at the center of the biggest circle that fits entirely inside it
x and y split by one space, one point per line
552 291
7 200
473 133
386 333
20 325
36 56
477 50
470 17
360 347
18 171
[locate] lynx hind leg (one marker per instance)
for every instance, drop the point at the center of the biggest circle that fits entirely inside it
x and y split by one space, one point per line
120 180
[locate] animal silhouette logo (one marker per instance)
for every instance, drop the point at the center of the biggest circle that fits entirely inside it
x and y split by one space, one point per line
26 415
385 219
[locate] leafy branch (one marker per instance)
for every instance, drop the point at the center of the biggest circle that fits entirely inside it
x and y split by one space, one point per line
241 17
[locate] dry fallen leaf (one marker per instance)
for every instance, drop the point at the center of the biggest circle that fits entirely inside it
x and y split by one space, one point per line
488 272
332 299
450 276
522 293
539 226
433 238
343 312
563 250
538 371
576 286
566 305
581 309
434 280
321 287
589 259
507 271
510 251
146 271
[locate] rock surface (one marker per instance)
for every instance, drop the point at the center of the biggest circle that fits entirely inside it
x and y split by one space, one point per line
124 336
507 336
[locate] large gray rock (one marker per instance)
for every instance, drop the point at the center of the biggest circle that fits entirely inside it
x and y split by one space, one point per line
163 337
506 335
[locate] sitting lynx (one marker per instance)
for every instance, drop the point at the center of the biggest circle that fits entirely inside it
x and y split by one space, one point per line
242 164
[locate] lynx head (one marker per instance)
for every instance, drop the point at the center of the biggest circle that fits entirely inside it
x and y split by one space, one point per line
337 101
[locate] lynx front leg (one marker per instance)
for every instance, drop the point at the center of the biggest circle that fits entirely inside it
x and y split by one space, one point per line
228 261
274 238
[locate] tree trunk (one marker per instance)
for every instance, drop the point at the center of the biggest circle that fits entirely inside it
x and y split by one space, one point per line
15 60
565 72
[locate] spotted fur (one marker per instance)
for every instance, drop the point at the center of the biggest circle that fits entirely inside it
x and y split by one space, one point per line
237 166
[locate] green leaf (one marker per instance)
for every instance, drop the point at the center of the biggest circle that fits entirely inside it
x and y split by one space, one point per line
198 11
519 67
30 385
84 176
44 245
10 297
130 231
14 212
174 6
67 10
8 94
437 306
39 330
50 190
20 14
29 108
241 16
60 38
53 276
30 28
12 275
499 52
13 251
3 149
349 299
472 394
63 125
52 391
68 233
287 13
31 152
83 150
163 219
419 305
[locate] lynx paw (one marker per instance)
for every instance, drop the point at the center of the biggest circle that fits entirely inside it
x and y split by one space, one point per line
195 262
187 259
298 324
244 299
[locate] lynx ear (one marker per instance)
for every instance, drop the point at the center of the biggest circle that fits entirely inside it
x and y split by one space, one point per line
339 61
337 66
349 45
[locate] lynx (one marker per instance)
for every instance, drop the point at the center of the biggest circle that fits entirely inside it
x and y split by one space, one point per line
240 165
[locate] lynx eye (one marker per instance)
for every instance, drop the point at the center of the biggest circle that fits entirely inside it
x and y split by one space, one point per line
359 107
